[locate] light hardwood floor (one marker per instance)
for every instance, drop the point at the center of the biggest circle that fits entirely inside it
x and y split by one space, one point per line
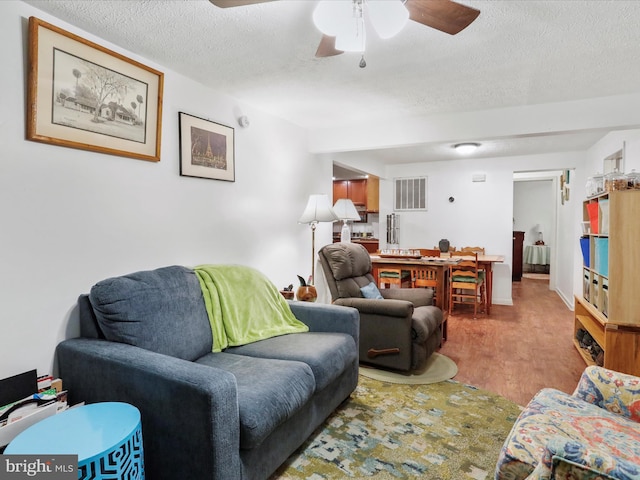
518 349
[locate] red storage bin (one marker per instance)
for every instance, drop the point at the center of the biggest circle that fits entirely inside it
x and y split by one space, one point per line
592 209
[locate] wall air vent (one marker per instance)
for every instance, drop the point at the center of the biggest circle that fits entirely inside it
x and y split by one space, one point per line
410 194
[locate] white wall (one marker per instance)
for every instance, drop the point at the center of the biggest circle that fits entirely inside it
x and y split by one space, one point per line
533 205
70 218
482 213
604 113
614 141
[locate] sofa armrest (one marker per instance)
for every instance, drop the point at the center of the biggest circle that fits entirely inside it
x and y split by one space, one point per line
614 391
387 308
565 458
189 411
419 297
320 317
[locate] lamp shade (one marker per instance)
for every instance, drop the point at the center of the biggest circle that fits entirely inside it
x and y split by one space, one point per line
353 38
344 20
318 209
388 17
346 210
328 16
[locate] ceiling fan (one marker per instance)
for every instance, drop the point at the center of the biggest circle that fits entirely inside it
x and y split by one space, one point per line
444 15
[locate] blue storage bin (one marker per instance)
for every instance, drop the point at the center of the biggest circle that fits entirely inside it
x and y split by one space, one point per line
602 256
584 245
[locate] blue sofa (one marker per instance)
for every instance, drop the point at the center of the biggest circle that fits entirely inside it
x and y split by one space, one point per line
146 339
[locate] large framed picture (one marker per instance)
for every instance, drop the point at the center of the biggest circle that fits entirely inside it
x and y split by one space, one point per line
82 95
206 149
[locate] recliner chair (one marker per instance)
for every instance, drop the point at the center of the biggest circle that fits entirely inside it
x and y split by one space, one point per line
401 329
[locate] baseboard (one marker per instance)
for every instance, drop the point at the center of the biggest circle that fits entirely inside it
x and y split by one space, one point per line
509 302
567 301
502 301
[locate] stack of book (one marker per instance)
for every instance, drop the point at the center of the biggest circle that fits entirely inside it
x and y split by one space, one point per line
25 399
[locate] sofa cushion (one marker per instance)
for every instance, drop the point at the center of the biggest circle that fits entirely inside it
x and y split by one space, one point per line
614 391
160 310
270 391
349 265
551 414
564 459
371 291
347 260
328 354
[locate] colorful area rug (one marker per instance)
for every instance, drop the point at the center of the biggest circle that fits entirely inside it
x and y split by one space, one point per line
446 430
437 369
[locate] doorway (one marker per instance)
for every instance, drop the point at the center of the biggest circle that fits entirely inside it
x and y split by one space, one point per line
535 204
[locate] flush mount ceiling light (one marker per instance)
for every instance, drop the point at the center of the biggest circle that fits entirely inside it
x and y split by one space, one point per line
467 147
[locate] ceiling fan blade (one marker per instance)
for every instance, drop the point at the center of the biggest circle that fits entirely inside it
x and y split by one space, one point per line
236 3
444 15
327 47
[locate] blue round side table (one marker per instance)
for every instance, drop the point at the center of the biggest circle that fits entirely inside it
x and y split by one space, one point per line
107 437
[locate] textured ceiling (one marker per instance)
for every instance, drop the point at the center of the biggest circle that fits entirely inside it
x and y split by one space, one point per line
517 53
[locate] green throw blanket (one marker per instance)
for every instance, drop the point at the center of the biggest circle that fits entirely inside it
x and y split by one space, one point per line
244 306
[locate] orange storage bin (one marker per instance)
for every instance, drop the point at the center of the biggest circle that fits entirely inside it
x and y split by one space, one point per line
592 209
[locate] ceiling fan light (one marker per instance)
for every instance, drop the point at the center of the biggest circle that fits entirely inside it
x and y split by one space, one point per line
331 17
353 38
388 17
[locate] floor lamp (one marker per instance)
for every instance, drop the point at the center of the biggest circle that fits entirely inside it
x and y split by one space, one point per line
318 210
345 210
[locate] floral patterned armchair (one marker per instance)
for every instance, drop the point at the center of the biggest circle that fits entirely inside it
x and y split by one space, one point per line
592 434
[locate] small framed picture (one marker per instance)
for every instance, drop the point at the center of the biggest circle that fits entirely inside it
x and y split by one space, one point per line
207 149
82 95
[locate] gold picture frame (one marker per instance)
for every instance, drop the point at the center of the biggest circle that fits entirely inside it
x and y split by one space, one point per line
82 95
207 149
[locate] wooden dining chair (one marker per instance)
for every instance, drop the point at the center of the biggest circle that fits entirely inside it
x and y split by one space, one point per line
425 277
393 276
478 250
467 283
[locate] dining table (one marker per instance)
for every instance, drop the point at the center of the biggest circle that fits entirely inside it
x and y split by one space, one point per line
537 255
442 263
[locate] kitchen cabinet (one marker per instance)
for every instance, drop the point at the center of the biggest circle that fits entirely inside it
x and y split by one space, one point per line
360 191
371 244
373 194
354 190
340 189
